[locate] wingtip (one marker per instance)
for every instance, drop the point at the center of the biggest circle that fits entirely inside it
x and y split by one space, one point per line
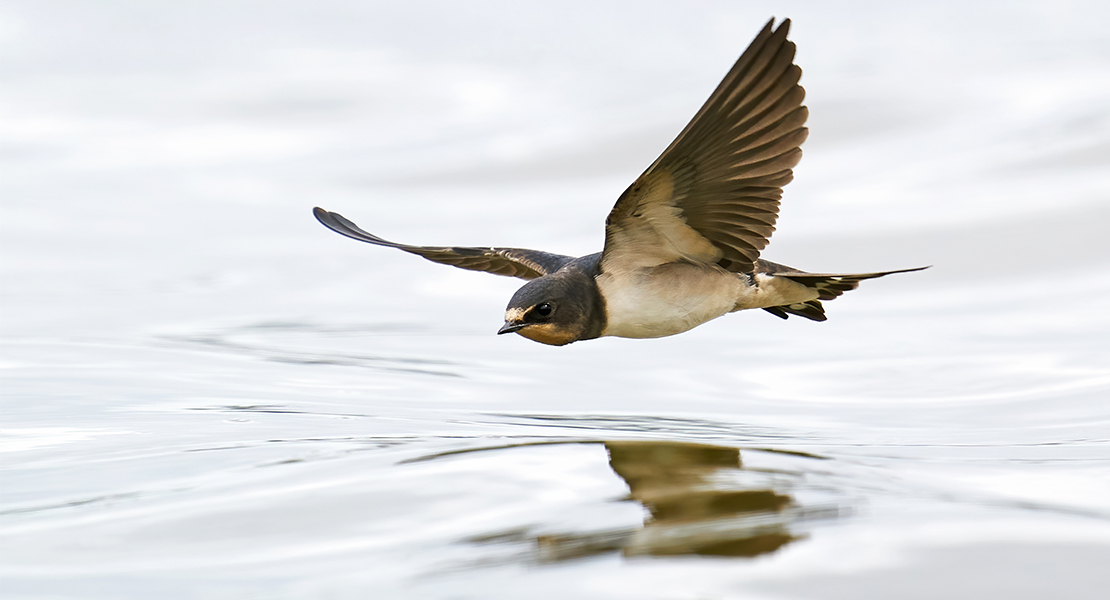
333 221
784 25
325 217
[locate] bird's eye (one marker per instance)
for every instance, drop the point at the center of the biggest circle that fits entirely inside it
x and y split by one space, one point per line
544 309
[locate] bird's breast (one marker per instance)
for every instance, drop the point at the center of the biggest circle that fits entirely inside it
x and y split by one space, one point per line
665 299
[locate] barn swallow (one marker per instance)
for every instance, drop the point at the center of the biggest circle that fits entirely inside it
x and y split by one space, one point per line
682 242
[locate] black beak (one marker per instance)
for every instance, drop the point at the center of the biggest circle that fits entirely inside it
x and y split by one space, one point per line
511 326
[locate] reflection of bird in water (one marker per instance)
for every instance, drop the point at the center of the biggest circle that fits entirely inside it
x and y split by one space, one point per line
700 500
682 243
689 514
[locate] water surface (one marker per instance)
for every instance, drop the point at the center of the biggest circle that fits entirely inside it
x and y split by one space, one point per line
208 395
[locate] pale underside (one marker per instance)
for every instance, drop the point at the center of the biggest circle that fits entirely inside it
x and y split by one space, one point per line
667 299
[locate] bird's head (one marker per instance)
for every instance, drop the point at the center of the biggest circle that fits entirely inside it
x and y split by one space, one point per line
556 310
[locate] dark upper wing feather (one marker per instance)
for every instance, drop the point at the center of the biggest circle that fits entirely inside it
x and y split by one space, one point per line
713 195
510 262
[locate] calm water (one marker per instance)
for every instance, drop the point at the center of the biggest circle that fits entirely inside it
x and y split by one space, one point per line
208 395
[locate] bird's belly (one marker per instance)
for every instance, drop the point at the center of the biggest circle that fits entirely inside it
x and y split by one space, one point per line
666 299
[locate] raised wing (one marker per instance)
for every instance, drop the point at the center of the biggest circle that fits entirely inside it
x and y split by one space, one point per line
713 195
511 262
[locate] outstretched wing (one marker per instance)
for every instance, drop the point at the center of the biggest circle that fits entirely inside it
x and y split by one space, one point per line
713 195
511 262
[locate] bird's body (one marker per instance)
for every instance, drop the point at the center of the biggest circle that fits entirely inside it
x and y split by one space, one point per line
666 299
682 243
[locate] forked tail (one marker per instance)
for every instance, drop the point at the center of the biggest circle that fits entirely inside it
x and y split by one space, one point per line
828 286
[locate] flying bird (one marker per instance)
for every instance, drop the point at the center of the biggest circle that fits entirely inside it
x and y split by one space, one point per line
682 243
